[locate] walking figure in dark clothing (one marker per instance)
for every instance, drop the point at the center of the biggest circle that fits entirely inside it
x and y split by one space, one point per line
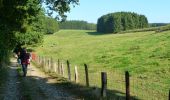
25 60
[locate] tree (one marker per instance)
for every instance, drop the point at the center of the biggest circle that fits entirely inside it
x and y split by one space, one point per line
59 6
18 20
51 25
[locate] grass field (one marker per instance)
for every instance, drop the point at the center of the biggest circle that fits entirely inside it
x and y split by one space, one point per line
146 55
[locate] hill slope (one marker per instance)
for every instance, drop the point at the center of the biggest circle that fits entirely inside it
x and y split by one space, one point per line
145 55
145 51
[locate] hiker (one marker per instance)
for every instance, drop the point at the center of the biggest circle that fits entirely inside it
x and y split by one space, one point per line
25 61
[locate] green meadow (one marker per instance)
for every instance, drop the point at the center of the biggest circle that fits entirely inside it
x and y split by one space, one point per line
146 55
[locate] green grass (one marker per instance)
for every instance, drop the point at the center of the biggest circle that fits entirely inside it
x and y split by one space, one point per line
146 55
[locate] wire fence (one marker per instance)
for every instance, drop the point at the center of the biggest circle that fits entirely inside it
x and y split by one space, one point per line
116 85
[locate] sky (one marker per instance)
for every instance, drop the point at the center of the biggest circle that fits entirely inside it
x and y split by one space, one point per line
157 11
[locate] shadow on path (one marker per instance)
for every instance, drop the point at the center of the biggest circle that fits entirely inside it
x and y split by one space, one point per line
11 86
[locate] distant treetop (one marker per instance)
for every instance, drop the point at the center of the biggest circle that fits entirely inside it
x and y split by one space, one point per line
121 21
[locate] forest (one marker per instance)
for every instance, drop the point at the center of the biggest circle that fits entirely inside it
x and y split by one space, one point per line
76 24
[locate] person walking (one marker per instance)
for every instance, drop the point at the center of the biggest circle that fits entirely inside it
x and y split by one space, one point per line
25 60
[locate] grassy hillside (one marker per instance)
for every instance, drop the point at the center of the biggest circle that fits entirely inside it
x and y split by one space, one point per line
146 55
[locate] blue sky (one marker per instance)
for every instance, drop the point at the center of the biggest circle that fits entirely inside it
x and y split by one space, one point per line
157 11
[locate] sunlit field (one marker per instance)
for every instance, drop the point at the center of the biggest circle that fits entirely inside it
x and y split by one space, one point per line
146 55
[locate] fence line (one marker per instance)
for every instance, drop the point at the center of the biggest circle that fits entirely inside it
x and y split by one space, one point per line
122 83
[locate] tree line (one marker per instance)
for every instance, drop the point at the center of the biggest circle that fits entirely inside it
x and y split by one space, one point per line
23 22
76 24
157 24
121 21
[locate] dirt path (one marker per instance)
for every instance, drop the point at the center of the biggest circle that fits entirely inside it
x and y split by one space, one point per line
35 86
42 87
12 85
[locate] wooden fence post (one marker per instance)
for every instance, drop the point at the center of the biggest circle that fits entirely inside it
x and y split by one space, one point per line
127 85
76 74
39 60
87 76
69 72
169 94
44 63
49 64
52 65
55 66
104 84
62 69
58 66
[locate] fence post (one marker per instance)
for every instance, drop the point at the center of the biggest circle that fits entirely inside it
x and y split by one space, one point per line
52 65
58 66
76 74
49 64
61 67
55 66
127 85
169 94
69 72
62 70
87 76
44 63
39 59
104 84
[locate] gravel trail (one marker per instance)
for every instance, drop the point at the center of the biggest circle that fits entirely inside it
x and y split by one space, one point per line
44 86
11 88
35 86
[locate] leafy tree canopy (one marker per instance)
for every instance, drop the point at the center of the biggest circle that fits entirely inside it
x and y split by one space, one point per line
21 20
